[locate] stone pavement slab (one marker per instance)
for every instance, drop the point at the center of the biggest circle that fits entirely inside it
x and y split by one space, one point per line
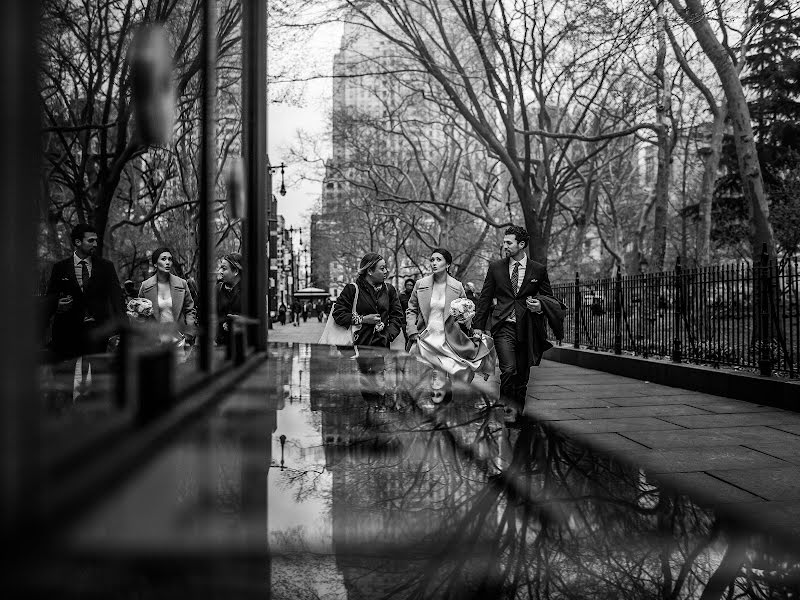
735 420
707 458
636 411
612 425
708 486
790 427
780 483
788 450
715 436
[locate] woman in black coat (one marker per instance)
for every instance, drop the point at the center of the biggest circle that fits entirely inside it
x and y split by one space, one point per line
229 294
378 314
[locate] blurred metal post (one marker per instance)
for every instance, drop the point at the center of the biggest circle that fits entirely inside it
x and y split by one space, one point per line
765 326
254 144
208 167
20 417
677 311
618 312
577 342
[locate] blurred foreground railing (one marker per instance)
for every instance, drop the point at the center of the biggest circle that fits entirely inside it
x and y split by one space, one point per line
741 315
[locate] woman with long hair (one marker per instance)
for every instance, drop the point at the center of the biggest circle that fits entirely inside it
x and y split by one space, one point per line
173 305
441 338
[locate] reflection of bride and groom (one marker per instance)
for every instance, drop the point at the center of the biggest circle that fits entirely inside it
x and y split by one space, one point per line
516 294
442 327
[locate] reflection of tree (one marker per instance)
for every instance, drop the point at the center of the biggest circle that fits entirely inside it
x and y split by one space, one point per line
445 501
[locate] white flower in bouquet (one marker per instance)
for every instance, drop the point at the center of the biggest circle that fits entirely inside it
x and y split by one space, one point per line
463 310
140 308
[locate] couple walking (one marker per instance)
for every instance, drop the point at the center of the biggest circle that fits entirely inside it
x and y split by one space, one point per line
515 302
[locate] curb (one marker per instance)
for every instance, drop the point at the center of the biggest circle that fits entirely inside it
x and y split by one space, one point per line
766 391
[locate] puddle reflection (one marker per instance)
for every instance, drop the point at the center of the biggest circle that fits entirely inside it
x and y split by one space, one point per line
394 482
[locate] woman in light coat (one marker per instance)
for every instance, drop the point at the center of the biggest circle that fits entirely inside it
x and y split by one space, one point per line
173 305
435 334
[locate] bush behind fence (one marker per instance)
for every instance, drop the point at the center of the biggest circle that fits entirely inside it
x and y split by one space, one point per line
740 315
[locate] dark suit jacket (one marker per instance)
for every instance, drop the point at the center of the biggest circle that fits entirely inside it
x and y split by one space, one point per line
103 300
530 326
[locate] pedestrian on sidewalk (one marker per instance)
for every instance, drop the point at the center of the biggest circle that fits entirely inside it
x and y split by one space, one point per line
282 314
296 308
521 287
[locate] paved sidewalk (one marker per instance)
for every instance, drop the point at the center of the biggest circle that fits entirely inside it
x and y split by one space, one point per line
308 333
726 452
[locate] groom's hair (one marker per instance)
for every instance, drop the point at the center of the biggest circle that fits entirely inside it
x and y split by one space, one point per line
520 233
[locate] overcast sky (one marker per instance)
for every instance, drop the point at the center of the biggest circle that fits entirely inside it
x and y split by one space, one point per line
309 112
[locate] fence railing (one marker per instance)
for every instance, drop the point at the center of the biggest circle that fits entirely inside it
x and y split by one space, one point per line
741 315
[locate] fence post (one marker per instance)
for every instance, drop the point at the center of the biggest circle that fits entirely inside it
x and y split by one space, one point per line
577 342
618 312
677 350
765 328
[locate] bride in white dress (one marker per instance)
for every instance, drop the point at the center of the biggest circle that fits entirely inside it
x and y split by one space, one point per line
435 334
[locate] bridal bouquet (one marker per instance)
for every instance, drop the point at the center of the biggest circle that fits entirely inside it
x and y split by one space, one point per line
463 310
139 308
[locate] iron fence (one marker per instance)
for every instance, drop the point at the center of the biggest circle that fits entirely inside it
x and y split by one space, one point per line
741 315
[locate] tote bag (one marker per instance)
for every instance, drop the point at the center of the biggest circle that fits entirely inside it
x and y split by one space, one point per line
336 335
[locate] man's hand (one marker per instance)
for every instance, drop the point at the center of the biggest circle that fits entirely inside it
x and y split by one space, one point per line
533 305
64 304
477 333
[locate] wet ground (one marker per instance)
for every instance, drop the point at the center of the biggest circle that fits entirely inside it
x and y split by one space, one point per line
328 476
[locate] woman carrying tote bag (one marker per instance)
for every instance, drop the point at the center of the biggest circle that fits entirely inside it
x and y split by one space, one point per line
369 307
335 334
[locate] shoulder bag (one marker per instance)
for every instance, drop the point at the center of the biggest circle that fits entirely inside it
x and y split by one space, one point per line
336 335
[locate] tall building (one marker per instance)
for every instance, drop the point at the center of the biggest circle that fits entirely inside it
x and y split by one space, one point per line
379 113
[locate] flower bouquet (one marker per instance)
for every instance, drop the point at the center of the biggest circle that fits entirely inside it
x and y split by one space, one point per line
139 308
463 311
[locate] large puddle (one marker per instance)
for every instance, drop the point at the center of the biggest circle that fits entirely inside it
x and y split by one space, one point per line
326 476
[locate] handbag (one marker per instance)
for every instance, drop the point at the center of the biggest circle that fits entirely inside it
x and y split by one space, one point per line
336 335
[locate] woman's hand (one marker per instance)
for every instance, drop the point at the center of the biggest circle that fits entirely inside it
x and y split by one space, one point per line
372 319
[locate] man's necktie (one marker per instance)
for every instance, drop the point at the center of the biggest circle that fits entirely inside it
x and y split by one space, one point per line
84 275
515 286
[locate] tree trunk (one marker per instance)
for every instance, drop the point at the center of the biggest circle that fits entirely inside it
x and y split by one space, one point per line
739 115
712 157
664 152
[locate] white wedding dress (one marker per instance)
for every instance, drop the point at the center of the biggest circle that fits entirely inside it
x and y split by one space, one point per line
432 343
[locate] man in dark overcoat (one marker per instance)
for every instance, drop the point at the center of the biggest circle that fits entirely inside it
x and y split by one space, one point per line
520 286
84 297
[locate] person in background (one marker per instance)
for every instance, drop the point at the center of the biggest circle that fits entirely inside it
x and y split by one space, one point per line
408 287
173 305
470 290
296 309
229 294
282 314
318 309
306 308
129 288
83 295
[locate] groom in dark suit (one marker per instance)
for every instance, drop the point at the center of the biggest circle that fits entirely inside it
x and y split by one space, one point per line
85 295
517 319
